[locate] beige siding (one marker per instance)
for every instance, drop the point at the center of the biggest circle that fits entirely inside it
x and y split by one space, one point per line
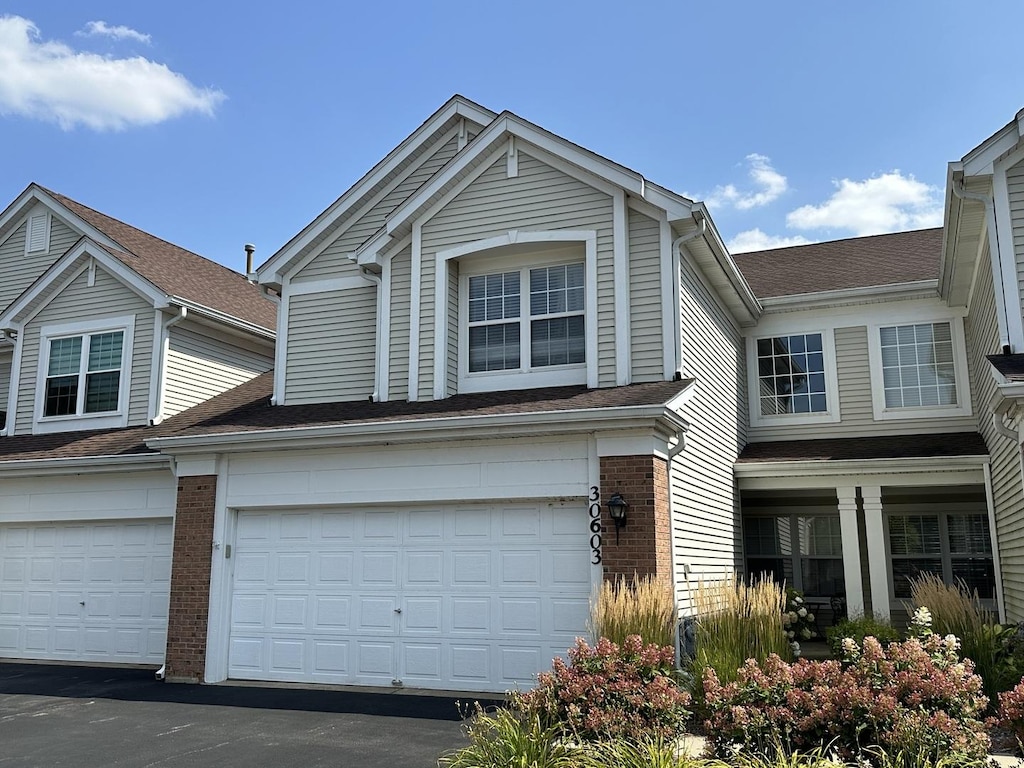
855 408
331 338
199 367
401 291
6 359
334 261
453 329
20 270
1015 193
79 302
1007 492
539 198
645 323
705 521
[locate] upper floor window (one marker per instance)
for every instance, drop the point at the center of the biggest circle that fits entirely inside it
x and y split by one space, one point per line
84 374
791 374
919 370
525 320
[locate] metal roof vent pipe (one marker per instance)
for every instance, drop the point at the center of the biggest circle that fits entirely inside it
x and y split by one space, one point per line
250 249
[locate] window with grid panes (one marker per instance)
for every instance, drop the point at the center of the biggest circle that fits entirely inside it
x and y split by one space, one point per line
83 374
805 551
791 374
511 329
951 546
917 365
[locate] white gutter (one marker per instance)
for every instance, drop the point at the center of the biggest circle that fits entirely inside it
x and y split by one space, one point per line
378 367
133 462
994 257
824 467
165 348
646 417
225 318
912 290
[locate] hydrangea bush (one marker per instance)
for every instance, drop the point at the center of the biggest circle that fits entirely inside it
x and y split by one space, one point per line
913 697
1011 712
611 691
797 620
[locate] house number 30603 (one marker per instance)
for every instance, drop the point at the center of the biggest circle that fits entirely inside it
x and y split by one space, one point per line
595 524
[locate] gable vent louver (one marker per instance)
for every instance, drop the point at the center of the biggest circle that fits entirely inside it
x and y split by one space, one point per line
38 232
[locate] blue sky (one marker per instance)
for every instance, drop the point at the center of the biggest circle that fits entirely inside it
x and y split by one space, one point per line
214 124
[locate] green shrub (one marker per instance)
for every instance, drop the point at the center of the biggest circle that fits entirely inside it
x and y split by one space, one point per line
508 739
610 692
915 698
646 753
644 607
858 629
735 622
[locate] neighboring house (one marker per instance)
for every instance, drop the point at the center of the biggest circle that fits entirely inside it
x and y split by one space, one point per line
107 330
865 465
982 268
486 338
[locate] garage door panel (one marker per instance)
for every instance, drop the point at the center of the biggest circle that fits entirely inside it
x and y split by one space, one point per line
486 594
292 568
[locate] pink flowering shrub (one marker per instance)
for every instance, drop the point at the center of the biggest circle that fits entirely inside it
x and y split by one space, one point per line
611 691
913 697
1011 711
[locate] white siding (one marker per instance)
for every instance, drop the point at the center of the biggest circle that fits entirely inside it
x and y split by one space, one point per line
705 524
855 409
645 322
539 198
1007 492
199 367
331 353
79 302
6 359
334 261
401 291
20 270
1015 193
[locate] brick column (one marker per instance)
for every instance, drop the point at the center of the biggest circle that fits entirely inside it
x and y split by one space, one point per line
190 579
644 546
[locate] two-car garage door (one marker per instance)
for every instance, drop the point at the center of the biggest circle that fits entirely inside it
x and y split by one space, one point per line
85 591
464 597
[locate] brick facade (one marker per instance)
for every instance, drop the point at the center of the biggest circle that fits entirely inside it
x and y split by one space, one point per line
644 545
190 579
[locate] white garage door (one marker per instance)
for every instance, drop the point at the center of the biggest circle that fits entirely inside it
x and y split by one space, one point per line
85 591
464 598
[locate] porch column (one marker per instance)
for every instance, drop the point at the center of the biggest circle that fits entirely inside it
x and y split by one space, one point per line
878 566
847 497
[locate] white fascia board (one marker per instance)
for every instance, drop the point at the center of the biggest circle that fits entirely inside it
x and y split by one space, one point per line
918 289
85 247
369 253
224 318
728 267
978 162
950 227
1009 391
271 271
138 462
654 417
845 467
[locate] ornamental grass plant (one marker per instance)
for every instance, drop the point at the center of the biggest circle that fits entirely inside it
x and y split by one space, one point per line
736 621
644 606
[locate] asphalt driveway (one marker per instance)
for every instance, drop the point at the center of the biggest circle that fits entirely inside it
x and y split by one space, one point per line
89 716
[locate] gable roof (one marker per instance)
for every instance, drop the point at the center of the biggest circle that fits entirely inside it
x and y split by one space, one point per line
856 262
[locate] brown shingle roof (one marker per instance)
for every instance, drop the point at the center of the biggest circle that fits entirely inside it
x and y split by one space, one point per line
247 408
856 262
1010 366
854 448
179 272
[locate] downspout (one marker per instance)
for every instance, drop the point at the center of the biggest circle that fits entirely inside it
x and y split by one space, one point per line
375 279
165 340
677 250
10 335
994 257
674 451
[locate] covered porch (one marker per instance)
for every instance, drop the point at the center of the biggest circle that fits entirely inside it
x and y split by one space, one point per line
850 524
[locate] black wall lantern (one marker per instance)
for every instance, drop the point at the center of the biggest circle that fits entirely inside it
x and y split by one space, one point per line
617 508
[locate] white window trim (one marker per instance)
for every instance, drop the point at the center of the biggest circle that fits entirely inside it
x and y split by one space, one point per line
488 381
46 228
828 348
107 420
963 385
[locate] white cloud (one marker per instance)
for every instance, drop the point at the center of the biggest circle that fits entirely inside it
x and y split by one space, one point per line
891 202
756 240
50 81
103 29
769 186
